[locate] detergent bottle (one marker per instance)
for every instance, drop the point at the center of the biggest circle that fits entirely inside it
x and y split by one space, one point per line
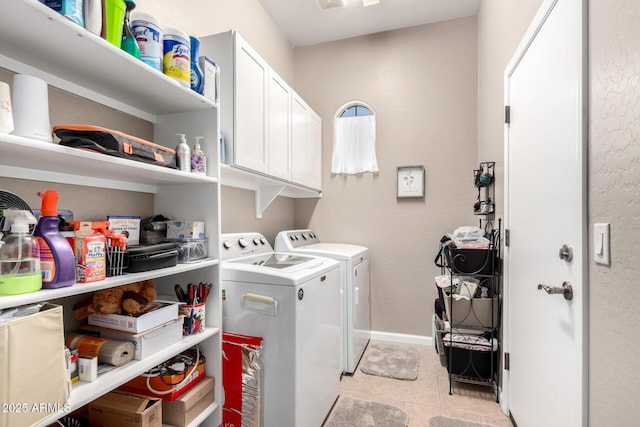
19 256
56 256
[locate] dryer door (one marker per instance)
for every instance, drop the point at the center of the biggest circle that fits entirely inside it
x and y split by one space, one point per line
361 309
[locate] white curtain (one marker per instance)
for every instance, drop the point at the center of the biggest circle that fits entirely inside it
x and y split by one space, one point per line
354 149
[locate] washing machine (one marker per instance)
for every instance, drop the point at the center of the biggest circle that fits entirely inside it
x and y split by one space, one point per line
291 301
355 287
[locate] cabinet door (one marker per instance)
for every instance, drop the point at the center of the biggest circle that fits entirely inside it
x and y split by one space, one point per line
251 150
279 125
306 145
314 149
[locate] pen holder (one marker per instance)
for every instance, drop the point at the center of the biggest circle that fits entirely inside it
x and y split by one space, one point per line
194 318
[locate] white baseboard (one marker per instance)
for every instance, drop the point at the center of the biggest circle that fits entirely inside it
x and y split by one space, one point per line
401 338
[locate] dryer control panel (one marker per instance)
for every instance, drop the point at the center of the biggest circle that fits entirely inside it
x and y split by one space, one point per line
297 238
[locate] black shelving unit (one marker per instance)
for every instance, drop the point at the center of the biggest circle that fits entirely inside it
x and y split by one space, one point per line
468 359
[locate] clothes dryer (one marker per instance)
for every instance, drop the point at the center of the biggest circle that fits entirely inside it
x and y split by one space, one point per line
355 287
292 302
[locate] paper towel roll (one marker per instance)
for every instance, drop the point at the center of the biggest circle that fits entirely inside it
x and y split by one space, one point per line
112 352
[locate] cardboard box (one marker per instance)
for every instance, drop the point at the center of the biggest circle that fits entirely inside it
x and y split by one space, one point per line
123 410
146 343
211 78
128 225
32 356
185 230
164 312
182 411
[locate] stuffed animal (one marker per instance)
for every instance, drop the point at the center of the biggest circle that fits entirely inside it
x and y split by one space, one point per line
129 299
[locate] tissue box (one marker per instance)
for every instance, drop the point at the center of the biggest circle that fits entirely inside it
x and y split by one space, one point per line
182 230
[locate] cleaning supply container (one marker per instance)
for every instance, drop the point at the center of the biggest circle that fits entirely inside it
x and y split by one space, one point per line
148 33
129 43
114 11
196 75
19 256
56 256
183 154
176 62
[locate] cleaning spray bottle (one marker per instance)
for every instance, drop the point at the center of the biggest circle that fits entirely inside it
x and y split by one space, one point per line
19 256
56 256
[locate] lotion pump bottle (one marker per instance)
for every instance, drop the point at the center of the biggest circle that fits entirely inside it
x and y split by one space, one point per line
198 159
56 256
183 154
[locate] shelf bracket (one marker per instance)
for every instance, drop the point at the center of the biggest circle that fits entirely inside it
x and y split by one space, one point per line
265 194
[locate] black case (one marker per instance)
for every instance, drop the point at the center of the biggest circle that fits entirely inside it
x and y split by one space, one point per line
151 257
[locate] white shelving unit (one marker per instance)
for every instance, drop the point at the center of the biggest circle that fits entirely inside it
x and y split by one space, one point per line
70 58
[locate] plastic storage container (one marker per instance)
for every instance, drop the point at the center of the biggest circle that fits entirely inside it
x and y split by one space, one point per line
148 33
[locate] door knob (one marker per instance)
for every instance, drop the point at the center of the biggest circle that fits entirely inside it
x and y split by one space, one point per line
566 290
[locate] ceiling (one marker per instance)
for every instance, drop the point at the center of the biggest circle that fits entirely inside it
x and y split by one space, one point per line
305 23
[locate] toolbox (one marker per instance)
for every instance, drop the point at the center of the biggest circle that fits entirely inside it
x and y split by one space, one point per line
151 257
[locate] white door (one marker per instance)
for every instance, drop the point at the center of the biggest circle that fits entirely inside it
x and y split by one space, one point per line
250 148
279 122
545 208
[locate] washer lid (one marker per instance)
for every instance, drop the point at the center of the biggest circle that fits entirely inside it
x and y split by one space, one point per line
274 260
333 250
276 269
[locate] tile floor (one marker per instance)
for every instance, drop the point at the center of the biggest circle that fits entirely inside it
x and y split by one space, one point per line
428 395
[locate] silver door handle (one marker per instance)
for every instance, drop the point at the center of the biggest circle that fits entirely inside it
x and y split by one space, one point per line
566 290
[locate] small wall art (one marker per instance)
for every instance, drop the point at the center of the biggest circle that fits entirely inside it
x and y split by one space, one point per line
410 181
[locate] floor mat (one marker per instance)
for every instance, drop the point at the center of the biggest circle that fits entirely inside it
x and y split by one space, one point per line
351 413
441 421
391 361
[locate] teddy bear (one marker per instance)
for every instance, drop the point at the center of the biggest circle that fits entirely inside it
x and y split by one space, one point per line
129 299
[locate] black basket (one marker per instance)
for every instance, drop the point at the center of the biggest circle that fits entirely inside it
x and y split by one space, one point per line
470 363
472 261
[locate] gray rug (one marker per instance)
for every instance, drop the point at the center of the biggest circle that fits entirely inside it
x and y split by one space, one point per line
441 421
391 361
358 413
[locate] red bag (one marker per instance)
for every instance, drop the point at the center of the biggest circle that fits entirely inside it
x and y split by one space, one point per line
240 363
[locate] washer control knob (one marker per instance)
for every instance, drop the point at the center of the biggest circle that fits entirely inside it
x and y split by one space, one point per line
304 236
226 244
263 240
243 243
256 241
292 237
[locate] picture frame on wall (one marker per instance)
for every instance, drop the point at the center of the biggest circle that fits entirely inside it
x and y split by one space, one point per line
410 181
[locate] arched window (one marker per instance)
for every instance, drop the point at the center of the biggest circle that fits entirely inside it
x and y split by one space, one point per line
354 145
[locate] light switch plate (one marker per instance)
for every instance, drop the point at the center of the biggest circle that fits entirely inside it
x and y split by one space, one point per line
601 244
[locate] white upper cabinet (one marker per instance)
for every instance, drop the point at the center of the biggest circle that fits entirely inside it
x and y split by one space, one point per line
249 104
279 127
306 144
258 124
